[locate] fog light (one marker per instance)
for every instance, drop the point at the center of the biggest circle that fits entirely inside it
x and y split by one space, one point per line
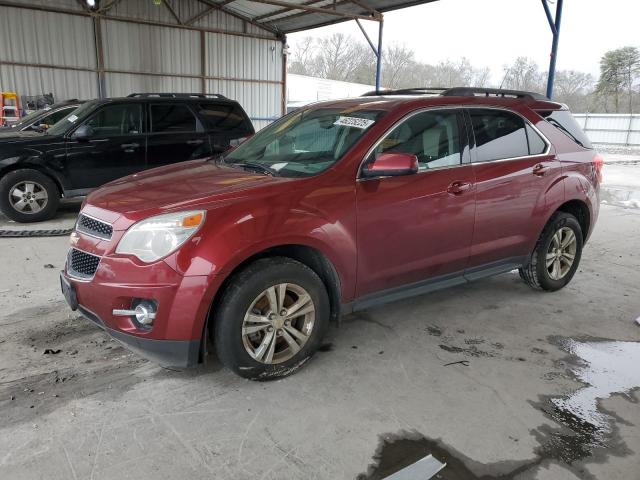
144 313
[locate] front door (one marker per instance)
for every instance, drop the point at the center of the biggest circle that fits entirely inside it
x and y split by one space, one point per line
415 227
515 170
114 147
176 135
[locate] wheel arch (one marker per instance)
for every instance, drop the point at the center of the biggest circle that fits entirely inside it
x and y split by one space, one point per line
31 166
305 254
580 210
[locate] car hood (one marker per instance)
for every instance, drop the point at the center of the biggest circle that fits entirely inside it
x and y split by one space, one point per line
180 186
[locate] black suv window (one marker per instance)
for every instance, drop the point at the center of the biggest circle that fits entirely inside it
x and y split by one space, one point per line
172 118
431 136
112 120
222 116
56 116
498 134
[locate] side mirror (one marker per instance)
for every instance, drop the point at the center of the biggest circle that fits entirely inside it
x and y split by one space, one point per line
391 165
83 132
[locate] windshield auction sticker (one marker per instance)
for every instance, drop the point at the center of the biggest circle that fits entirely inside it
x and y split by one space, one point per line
354 122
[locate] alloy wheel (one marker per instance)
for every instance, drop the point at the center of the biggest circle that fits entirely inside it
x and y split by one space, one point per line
278 323
561 253
28 197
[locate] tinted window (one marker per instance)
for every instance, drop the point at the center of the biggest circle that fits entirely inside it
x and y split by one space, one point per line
498 135
564 121
58 115
431 136
222 117
536 144
124 119
172 118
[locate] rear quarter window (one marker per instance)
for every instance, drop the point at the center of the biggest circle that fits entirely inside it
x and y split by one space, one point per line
222 117
564 121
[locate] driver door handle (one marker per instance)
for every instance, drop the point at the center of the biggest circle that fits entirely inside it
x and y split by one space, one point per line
458 188
195 142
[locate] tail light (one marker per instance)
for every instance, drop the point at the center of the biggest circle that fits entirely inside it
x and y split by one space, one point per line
598 163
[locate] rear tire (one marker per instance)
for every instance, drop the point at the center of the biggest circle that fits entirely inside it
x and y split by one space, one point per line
254 330
557 254
28 195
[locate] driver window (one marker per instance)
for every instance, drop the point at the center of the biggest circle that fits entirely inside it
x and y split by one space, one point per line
432 136
114 120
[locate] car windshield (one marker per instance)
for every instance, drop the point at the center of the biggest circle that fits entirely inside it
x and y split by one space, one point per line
67 122
305 142
28 118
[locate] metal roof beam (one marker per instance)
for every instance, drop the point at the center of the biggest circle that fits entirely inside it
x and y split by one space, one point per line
326 11
221 6
172 11
283 10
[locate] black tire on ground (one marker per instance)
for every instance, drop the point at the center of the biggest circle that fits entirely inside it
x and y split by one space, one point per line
536 274
15 177
238 296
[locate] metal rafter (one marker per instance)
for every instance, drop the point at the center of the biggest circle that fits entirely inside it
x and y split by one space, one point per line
172 11
222 8
283 10
327 11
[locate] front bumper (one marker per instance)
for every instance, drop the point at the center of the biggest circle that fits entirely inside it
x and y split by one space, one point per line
175 338
167 353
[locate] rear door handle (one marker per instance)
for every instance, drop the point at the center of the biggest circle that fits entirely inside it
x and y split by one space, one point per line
195 142
458 188
540 170
129 147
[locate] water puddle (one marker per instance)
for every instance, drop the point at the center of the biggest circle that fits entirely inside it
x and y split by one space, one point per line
584 431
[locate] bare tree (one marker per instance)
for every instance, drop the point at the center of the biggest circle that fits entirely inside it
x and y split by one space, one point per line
523 74
302 58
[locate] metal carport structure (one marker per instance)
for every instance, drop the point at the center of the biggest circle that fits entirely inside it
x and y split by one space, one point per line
233 47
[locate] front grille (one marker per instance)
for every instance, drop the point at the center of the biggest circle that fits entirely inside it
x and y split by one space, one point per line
81 264
94 227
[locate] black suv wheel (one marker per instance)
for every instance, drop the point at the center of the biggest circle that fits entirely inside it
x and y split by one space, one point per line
28 196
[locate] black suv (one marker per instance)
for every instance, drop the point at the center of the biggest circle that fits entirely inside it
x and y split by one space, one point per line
110 138
41 119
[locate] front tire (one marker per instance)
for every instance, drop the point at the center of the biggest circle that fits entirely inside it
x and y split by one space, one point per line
557 254
271 319
28 195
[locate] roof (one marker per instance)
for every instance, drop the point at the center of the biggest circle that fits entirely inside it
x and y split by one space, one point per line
287 16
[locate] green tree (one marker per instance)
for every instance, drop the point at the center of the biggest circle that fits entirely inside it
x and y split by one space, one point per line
619 70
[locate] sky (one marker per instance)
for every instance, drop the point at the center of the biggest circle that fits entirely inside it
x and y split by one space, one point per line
492 33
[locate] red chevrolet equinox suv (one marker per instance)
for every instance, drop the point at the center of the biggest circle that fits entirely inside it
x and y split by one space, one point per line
334 208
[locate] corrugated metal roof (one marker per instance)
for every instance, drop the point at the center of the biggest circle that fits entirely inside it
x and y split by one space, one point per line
281 14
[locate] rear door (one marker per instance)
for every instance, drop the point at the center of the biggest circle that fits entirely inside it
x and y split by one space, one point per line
225 122
415 227
175 135
115 147
514 167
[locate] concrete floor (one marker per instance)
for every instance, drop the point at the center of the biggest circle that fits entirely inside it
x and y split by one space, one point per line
378 396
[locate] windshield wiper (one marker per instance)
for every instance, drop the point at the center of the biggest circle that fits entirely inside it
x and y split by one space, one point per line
255 167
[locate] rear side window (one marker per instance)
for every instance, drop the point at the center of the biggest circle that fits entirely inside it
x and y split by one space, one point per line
220 117
564 121
498 135
172 118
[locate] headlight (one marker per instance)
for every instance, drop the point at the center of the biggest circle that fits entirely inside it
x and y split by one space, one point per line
158 236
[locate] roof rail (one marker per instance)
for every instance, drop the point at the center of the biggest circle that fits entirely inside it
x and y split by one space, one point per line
491 92
407 91
462 92
176 95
